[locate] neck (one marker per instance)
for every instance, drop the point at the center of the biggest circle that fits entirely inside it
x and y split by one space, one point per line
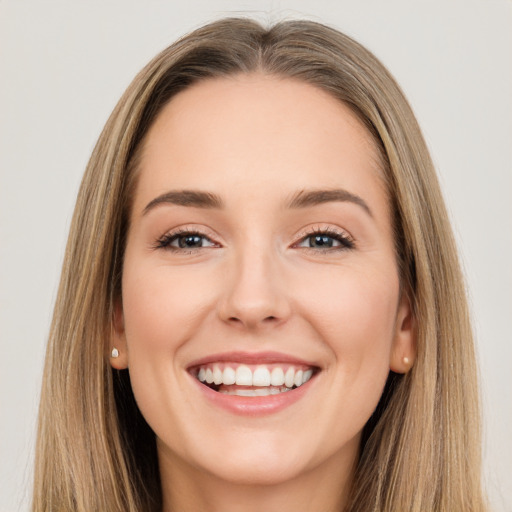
322 488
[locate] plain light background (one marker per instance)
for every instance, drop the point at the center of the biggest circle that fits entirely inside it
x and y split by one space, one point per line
63 66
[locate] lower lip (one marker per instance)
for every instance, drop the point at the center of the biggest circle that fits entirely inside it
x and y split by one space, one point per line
254 405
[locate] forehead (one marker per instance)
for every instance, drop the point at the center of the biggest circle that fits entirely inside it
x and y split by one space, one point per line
253 129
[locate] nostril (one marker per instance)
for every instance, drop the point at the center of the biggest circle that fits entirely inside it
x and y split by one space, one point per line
268 319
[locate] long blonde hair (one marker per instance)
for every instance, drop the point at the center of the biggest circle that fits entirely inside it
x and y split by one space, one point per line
420 449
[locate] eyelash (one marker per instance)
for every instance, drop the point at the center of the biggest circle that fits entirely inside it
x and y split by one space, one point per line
345 240
165 241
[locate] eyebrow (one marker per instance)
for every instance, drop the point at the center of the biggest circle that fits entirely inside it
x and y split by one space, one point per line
301 199
305 198
192 198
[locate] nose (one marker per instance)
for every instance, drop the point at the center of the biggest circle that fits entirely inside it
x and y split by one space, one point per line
254 296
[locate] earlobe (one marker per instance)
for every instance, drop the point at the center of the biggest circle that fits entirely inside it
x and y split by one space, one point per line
118 348
403 353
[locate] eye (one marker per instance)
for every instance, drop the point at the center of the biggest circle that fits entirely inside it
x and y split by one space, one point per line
326 240
184 240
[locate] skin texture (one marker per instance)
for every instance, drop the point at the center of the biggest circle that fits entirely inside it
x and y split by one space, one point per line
256 285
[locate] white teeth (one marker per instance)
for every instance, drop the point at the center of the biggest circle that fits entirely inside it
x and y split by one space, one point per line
228 376
277 377
245 392
254 392
306 376
217 375
270 380
289 377
243 376
261 376
262 392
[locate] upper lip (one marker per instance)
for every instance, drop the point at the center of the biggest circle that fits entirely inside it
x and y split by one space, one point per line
252 358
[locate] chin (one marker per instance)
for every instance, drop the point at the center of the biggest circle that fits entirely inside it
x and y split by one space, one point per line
260 470
268 457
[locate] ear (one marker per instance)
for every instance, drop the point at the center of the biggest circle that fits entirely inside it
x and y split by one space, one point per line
118 339
403 352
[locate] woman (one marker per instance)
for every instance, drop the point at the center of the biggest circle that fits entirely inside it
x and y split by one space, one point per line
261 304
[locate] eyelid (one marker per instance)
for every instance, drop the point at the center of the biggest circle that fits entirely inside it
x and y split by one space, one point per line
329 230
342 235
192 229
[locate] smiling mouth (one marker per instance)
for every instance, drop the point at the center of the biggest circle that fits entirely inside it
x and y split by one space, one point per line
252 380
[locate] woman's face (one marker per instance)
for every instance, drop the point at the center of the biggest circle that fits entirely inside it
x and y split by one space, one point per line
260 255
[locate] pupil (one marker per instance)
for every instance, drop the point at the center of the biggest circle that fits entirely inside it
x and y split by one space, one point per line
322 241
190 241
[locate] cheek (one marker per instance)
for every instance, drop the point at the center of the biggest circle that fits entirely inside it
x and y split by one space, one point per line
354 313
162 306
356 320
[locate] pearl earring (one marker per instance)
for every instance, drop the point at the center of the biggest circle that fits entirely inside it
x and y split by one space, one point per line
115 352
406 361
